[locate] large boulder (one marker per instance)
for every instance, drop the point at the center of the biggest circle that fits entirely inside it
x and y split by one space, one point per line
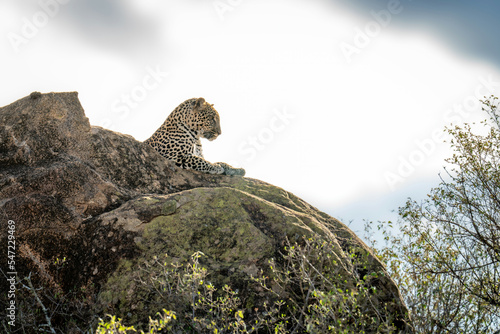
91 205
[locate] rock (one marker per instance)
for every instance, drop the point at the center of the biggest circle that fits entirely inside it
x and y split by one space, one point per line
90 205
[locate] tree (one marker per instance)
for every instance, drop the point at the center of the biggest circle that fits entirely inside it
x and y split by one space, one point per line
446 261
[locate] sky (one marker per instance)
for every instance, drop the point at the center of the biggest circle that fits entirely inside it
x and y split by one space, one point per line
341 102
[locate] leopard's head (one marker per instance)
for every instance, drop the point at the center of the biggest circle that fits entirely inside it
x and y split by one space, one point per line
205 119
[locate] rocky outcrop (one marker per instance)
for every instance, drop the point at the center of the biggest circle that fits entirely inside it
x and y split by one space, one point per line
89 204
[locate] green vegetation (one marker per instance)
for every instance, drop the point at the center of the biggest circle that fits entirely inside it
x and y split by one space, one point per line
445 255
310 288
308 291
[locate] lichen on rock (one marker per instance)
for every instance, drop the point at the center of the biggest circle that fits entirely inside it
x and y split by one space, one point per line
109 204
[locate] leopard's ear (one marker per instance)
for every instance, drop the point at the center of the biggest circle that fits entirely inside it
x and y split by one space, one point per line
199 102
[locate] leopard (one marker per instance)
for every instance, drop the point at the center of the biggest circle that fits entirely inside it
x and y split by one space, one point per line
178 138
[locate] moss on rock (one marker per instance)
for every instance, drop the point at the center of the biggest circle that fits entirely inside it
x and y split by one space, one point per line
109 204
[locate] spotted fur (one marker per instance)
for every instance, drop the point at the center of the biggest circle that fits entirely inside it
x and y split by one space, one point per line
178 139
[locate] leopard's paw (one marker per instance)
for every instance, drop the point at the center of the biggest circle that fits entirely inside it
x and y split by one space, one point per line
229 170
235 171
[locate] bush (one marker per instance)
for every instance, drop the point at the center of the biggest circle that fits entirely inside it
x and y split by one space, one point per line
314 293
446 254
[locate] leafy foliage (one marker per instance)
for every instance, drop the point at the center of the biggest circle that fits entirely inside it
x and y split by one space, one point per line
446 258
311 289
115 326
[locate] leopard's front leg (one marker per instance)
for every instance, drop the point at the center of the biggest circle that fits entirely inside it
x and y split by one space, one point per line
201 165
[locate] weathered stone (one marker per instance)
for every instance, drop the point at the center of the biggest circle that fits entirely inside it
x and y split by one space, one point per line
105 203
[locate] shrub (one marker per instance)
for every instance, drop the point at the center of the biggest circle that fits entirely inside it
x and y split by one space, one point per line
313 293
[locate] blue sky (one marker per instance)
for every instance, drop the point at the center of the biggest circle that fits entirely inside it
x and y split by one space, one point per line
341 102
